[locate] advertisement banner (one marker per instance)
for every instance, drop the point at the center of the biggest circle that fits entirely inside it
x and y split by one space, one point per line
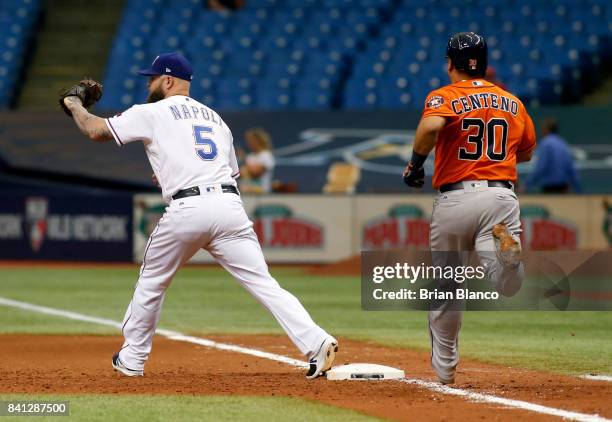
392 221
322 228
303 228
75 227
290 228
548 222
565 222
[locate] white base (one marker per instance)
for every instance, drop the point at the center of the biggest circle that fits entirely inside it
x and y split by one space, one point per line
364 371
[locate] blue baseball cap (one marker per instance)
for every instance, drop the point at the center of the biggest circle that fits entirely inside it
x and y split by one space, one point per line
171 64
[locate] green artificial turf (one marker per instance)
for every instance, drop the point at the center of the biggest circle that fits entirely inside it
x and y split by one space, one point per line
207 300
105 408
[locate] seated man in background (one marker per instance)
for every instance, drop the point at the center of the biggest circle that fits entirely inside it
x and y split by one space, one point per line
554 169
256 173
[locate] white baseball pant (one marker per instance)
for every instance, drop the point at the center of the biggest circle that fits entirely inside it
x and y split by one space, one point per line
218 223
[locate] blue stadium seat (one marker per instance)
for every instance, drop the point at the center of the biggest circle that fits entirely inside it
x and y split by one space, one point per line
286 46
357 100
234 86
313 99
17 18
238 101
275 100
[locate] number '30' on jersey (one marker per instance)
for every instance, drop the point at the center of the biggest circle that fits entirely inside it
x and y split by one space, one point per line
187 143
485 129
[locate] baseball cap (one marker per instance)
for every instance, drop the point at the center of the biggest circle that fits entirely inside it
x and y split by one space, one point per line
171 64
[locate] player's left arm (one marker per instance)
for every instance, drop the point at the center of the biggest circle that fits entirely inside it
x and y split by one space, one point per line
89 124
427 134
424 142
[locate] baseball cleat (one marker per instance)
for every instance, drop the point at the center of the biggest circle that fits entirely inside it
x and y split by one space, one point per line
324 358
507 247
119 366
445 381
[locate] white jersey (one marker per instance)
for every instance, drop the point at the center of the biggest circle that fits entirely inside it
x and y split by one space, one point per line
264 158
186 142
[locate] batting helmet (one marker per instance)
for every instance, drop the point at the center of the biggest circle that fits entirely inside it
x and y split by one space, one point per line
468 53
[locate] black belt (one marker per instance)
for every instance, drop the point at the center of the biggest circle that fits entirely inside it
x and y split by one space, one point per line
195 191
491 183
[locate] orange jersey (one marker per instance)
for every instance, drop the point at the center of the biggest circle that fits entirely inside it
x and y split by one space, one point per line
485 128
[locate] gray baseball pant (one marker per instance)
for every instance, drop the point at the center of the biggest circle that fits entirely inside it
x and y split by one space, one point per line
462 221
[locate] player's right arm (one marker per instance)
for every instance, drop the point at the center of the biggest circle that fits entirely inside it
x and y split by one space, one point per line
134 124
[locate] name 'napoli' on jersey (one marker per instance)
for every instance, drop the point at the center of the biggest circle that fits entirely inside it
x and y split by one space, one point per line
187 143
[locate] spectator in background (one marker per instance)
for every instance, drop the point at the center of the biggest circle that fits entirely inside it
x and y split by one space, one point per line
256 173
554 168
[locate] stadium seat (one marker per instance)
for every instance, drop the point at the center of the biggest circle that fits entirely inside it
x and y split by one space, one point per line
342 178
539 47
17 19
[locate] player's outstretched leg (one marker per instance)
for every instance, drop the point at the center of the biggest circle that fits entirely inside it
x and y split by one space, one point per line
164 255
241 256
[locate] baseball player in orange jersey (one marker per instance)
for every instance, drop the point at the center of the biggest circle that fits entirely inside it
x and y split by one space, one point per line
480 133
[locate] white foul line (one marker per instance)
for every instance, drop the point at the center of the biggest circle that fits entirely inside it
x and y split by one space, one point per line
488 398
438 388
597 377
173 335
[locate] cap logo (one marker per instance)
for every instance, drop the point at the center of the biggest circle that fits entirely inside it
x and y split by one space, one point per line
168 70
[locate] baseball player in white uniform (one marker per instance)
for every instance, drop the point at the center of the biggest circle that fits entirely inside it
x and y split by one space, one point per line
191 151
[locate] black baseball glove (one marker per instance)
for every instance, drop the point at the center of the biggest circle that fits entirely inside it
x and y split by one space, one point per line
414 177
88 91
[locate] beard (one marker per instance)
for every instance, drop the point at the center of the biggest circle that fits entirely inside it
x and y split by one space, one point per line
155 95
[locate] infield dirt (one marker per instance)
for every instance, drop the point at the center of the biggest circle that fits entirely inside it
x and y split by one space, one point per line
81 364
